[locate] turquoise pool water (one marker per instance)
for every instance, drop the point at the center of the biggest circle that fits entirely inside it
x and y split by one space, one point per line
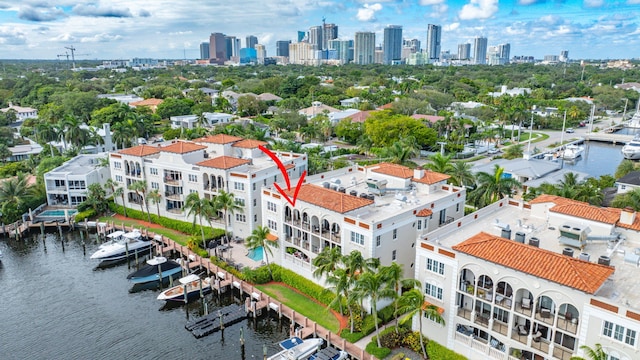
56 213
256 254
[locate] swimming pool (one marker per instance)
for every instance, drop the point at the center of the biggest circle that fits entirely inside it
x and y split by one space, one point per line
57 213
255 254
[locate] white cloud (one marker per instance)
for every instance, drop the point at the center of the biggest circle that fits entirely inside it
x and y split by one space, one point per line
368 12
478 9
431 2
12 36
529 2
100 38
593 3
451 27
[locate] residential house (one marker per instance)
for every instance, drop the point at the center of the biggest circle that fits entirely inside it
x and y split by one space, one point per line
22 113
67 184
629 182
317 108
150 103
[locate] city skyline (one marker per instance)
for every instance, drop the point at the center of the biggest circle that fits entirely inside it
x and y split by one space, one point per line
118 29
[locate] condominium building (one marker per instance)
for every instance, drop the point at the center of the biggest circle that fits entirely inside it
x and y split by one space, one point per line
329 32
282 48
302 53
364 48
206 166
315 37
341 50
534 280
233 46
251 41
480 50
392 45
377 210
434 34
464 51
217 48
204 50
67 184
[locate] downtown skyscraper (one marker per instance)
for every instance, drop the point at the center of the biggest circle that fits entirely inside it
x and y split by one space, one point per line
315 37
364 48
464 51
480 50
434 33
251 41
217 48
329 32
392 46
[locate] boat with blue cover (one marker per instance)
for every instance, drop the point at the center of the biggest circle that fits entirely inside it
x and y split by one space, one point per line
158 268
297 349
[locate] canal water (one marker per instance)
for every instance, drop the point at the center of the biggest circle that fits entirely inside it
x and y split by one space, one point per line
56 304
598 159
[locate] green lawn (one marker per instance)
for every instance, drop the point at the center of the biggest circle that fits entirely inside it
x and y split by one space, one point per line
171 234
302 304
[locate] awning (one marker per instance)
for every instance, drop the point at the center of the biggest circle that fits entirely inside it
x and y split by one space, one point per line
272 237
427 304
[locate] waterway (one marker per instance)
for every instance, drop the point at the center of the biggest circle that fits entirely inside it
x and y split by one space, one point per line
598 159
56 304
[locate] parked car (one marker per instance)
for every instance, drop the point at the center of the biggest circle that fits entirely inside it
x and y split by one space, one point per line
569 130
582 124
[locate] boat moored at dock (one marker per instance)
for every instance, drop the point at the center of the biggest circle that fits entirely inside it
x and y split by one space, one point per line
157 269
120 245
297 349
191 285
631 150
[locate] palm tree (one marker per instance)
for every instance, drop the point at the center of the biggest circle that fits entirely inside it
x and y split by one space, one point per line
140 187
411 304
202 120
372 285
595 353
227 203
156 198
327 261
197 207
628 199
394 280
400 152
14 190
116 190
625 167
492 187
440 163
258 238
341 283
461 174
513 151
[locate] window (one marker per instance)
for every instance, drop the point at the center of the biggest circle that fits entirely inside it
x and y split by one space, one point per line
255 202
435 266
155 185
419 224
395 234
393 255
191 191
238 186
619 333
193 178
254 186
271 206
119 178
272 225
153 171
378 241
433 291
275 178
117 165
255 218
241 218
357 238
239 201
457 207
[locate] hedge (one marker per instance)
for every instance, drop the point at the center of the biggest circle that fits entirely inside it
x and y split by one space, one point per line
437 351
81 216
380 353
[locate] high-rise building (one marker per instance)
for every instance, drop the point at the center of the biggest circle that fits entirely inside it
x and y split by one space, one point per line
247 56
217 48
302 53
378 55
315 37
464 51
364 48
413 44
480 50
302 35
261 52
233 46
343 50
282 47
504 50
204 50
330 32
392 46
564 56
434 33
251 41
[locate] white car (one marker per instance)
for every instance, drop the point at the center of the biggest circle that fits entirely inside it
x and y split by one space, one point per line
569 131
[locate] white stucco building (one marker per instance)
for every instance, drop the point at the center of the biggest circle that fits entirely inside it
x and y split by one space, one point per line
67 184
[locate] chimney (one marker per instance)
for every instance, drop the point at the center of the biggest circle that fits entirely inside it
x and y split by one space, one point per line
418 172
627 216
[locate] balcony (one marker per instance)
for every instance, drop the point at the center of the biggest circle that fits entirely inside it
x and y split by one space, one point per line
173 196
305 264
173 181
175 211
519 336
541 344
464 313
503 301
560 352
482 319
567 323
500 327
545 315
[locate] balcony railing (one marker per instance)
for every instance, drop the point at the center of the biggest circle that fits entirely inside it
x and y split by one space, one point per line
545 315
570 325
173 196
560 352
542 345
298 262
175 211
172 181
482 319
464 313
500 327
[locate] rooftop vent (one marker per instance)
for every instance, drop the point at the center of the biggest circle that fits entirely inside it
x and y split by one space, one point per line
584 256
520 237
326 185
353 192
363 195
604 260
371 197
567 251
342 189
506 233
534 241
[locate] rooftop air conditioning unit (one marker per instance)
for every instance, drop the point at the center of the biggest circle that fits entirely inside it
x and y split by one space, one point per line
506 233
534 241
520 236
604 260
567 251
353 193
584 256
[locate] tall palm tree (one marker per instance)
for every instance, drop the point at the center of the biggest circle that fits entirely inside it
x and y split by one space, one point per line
341 283
202 120
371 285
327 261
411 304
14 190
116 191
394 280
156 198
440 163
492 187
461 174
198 208
514 151
625 167
227 203
630 198
140 187
595 353
258 238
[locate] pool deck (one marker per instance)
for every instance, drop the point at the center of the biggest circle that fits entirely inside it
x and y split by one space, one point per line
237 254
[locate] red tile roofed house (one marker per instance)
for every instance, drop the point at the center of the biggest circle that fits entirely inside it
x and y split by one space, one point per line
329 199
430 118
223 162
359 117
387 106
150 103
218 139
140 150
182 147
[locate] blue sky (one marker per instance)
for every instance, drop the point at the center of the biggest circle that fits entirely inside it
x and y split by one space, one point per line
121 29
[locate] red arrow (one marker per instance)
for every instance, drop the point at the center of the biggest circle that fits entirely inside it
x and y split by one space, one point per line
285 175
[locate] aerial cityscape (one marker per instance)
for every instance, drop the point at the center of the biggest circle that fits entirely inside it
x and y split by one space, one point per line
320 180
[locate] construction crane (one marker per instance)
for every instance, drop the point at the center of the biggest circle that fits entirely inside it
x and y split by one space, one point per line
73 56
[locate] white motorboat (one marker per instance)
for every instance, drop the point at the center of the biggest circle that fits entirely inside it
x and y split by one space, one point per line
297 349
631 150
572 152
191 284
329 353
120 245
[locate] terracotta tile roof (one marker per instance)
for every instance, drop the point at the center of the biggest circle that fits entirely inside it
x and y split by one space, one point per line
249 144
432 177
223 162
578 209
424 213
147 102
182 147
386 106
272 237
359 117
329 199
568 271
140 150
430 118
218 139
393 170
633 226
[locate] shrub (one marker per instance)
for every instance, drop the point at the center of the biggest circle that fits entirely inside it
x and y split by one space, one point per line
83 215
437 351
369 325
386 314
380 353
260 275
412 341
351 337
391 339
303 284
398 356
